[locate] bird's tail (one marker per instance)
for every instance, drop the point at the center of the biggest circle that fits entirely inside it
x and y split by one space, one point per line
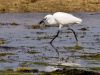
79 20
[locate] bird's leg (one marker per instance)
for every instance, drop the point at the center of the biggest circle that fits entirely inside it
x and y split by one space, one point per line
55 36
73 33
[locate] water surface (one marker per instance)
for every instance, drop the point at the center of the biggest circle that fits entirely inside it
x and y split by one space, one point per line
29 47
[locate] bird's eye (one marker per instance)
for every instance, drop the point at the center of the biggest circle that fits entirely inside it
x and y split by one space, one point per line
45 18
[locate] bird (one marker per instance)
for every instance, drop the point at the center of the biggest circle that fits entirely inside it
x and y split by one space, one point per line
62 19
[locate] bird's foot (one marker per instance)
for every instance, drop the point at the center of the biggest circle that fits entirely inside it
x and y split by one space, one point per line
50 42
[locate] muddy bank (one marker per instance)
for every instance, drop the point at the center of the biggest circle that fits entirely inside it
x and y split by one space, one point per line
72 72
64 71
49 6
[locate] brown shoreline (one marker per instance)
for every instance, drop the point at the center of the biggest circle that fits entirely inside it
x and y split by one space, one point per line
49 6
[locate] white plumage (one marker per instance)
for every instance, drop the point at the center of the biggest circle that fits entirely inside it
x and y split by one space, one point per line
61 19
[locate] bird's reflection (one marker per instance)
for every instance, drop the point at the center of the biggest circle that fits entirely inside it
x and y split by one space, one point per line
55 50
70 58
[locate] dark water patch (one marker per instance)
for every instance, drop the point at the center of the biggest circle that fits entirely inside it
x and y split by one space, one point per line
27 37
13 24
7 47
83 29
40 33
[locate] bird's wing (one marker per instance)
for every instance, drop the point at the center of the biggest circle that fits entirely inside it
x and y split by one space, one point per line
65 18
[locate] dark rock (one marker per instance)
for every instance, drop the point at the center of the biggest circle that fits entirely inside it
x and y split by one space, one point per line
72 72
35 70
83 29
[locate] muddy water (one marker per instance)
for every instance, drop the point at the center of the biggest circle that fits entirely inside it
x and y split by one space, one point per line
29 47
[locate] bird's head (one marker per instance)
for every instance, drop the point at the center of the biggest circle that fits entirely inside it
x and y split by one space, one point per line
42 23
48 20
45 20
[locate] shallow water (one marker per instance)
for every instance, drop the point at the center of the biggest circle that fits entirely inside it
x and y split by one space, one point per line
30 47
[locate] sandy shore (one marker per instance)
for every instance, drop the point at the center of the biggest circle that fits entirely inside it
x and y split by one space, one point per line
49 6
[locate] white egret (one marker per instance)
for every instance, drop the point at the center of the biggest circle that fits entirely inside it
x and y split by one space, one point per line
62 19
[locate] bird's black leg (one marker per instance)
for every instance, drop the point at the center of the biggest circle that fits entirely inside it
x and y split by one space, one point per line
74 34
55 36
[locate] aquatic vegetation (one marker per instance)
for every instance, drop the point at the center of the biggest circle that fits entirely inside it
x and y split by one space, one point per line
32 52
13 73
76 47
26 70
3 60
23 69
35 27
97 56
71 72
64 71
44 37
9 70
91 57
2 41
14 24
5 54
95 68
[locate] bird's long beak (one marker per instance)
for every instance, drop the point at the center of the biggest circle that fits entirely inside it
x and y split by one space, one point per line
42 23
